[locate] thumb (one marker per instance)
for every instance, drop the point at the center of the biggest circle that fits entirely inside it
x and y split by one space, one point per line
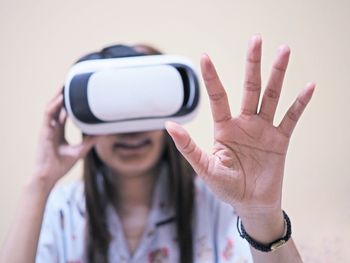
80 150
85 146
198 159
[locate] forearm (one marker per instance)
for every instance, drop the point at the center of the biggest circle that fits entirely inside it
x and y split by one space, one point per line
266 229
21 242
288 253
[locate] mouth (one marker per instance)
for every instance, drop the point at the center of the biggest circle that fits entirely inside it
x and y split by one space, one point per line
132 145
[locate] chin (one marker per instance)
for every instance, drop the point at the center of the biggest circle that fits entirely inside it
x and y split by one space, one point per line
135 169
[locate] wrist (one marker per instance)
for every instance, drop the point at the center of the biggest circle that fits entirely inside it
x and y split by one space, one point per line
39 184
264 246
264 227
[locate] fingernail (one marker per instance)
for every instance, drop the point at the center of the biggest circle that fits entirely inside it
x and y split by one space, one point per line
205 57
170 125
256 39
257 36
311 85
283 48
167 124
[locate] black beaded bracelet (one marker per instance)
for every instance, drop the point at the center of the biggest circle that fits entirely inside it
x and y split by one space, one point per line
266 247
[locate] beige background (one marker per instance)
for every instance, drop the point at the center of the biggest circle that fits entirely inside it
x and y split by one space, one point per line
40 39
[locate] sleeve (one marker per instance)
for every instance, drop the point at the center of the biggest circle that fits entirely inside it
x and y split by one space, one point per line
47 250
216 223
230 246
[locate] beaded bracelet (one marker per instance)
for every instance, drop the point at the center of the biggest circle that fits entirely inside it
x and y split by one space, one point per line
270 246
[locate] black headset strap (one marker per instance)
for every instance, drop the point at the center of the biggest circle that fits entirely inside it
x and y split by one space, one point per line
119 51
116 51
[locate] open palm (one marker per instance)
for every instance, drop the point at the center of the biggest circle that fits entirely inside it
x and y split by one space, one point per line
246 166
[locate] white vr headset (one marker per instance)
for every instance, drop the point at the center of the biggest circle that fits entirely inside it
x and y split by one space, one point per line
131 94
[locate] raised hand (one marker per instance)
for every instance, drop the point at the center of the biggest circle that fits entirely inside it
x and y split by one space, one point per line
245 168
55 155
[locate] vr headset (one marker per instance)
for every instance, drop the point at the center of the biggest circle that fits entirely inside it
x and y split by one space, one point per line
126 91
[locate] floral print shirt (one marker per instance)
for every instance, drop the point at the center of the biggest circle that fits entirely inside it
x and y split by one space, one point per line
216 239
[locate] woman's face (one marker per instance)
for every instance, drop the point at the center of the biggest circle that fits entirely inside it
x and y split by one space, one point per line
131 153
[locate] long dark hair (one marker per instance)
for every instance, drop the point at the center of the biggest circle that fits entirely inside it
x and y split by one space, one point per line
99 192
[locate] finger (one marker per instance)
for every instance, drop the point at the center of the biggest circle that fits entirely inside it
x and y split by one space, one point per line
80 150
57 94
62 116
193 154
293 114
52 111
252 82
274 85
220 107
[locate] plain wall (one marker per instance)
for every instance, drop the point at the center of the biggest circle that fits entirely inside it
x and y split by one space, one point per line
39 40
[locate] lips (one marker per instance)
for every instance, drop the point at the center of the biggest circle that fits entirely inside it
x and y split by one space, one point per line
132 145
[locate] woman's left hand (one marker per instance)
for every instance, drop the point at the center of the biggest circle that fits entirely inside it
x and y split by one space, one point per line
246 166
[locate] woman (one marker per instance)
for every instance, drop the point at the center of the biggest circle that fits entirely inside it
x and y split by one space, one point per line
142 202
